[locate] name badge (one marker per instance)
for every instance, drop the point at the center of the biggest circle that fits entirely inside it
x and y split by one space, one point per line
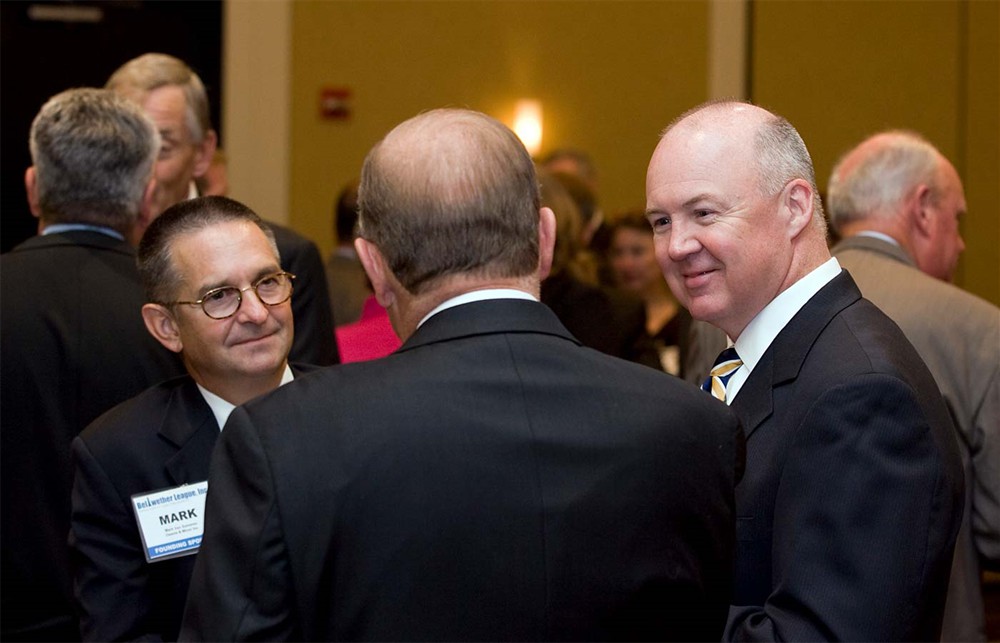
171 521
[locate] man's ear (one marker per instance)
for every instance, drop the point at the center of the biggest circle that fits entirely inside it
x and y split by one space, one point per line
161 324
923 211
377 270
797 200
206 150
31 187
546 241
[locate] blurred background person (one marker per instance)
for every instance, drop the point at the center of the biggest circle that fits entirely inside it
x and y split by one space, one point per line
576 170
633 264
570 160
611 324
344 275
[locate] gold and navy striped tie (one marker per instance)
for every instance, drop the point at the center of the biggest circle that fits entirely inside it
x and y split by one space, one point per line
725 365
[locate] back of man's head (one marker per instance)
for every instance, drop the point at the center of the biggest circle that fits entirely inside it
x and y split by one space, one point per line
141 75
872 180
154 257
92 153
451 192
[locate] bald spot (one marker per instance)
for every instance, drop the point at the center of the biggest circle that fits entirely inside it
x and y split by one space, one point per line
437 154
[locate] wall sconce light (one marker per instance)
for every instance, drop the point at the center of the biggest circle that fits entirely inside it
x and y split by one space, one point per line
528 124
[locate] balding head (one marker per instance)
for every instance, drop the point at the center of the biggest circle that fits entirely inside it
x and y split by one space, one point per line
875 178
450 192
897 183
769 145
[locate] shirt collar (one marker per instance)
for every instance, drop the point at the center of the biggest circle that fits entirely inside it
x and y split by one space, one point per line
757 337
221 408
478 295
57 228
877 235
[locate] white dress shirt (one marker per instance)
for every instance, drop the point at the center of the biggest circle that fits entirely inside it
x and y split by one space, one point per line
221 408
755 339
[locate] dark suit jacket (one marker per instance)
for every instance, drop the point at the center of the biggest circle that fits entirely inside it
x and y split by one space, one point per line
958 336
852 497
314 342
73 346
491 479
161 438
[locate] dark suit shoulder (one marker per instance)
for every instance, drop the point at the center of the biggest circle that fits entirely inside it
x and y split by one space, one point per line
77 239
141 415
880 339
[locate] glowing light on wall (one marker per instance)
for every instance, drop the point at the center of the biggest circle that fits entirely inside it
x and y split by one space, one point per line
528 124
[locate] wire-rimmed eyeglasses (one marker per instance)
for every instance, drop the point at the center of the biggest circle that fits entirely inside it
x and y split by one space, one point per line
220 303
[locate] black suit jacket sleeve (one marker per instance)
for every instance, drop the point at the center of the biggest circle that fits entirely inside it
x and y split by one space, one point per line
115 572
864 462
241 588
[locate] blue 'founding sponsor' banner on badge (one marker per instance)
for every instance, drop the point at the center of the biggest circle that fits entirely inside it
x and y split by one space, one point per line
174 548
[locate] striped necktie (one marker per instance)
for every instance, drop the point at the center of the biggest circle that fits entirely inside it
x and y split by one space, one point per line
725 365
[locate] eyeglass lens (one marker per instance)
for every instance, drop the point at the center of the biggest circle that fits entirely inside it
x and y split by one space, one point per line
271 290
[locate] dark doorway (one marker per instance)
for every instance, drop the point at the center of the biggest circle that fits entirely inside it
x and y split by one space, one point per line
46 47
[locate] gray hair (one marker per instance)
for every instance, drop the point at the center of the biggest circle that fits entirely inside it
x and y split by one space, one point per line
93 154
450 192
157 271
880 181
139 76
782 156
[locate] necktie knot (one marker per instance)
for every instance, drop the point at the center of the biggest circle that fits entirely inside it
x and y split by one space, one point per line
726 364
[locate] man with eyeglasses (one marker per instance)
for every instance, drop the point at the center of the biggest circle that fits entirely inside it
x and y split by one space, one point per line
217 296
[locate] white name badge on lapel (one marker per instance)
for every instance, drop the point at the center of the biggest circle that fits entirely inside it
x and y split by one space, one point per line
171 521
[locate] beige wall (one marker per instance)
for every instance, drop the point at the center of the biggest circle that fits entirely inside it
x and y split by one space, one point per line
610 75
255 107
840 71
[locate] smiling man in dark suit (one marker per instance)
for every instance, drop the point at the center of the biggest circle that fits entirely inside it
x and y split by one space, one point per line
492 479
216 295
851 502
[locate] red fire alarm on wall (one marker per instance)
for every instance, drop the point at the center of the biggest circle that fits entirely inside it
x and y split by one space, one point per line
334 103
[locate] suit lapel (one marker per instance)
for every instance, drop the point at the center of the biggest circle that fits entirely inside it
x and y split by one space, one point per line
488 317
190 426
755 401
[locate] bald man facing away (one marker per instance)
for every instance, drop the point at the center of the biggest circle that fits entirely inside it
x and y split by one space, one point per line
492 479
